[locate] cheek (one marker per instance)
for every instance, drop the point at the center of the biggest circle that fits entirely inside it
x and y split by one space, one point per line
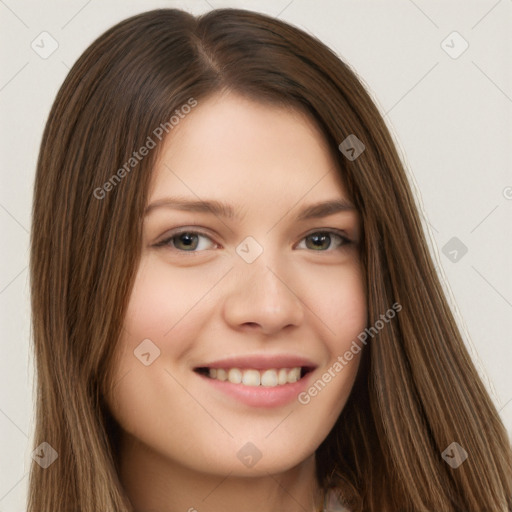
341 307
162 320
159 315
339 301
164 303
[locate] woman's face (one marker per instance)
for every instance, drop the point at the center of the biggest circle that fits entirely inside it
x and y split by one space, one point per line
265 289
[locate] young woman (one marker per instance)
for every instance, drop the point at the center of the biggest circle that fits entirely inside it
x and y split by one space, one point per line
234 305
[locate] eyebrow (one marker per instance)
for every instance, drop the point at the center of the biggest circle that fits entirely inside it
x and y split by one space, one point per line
221 209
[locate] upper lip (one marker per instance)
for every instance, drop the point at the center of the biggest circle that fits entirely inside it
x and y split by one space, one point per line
261 362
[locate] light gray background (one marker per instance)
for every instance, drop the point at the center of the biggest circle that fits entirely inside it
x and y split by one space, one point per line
451 117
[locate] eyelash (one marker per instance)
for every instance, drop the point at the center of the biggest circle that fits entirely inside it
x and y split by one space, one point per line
166 242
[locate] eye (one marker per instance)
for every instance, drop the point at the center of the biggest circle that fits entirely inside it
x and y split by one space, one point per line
185 241
322 240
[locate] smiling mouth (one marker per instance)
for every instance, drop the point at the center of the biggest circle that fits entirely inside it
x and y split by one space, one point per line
271 377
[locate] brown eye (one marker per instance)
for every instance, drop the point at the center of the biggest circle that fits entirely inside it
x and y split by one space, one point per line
323 240
185 241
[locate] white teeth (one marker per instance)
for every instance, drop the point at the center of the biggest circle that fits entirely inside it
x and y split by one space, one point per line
293 375
282 376
235 376
251 377
269 378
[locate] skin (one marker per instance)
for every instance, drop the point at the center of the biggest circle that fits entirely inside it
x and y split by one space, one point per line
180 436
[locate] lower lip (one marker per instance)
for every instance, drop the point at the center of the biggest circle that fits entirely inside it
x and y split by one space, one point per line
261 396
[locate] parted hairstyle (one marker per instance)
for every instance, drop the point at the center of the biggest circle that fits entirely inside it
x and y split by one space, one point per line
416 391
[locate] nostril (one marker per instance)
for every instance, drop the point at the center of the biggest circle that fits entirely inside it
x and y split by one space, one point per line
251 325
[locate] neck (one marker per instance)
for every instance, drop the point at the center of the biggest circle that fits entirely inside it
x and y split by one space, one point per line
154 483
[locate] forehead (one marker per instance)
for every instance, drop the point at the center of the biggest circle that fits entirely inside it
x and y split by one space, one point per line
231 145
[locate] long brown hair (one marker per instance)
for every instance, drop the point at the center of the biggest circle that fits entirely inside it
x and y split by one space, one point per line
417 390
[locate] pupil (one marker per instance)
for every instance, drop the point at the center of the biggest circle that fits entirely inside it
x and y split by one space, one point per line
187 237
320 238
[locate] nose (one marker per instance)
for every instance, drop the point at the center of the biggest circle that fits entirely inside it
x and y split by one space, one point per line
260 299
